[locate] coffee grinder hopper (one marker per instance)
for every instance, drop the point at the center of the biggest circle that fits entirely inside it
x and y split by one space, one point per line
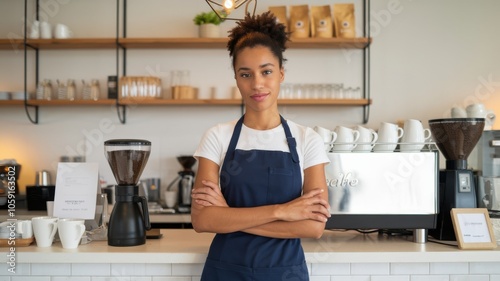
127 159
456 138
186 162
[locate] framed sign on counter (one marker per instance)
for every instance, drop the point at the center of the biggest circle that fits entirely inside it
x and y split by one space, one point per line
473 228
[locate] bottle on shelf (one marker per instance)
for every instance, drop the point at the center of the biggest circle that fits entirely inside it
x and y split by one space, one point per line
95 91
71 90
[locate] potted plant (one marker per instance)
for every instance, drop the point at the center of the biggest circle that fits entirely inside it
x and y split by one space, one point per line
208 23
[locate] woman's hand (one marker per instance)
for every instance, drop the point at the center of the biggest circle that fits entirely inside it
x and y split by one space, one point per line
208 195
310 205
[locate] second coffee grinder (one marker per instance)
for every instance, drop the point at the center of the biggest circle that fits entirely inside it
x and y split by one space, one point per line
455 138
129 219
185 181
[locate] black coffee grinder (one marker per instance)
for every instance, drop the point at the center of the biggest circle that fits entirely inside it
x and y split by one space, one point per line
455 138
128 221
186 182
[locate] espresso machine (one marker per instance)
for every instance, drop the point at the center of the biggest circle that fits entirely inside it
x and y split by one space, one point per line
488 189
186 182
455 138
129 219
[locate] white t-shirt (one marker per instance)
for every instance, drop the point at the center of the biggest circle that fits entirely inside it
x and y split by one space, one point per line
310 147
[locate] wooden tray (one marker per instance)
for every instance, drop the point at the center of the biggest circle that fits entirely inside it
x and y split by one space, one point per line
19 242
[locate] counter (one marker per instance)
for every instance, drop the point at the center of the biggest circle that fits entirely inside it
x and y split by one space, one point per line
157 220
182 252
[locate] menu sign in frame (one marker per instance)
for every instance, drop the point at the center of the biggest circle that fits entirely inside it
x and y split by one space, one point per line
473 228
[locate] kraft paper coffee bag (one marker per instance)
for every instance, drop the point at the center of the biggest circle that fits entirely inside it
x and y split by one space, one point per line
299 21
343 15
280 13
321 22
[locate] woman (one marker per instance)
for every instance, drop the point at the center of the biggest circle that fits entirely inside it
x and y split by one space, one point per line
270 171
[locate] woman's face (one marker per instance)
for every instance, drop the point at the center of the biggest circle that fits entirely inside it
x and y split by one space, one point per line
258 77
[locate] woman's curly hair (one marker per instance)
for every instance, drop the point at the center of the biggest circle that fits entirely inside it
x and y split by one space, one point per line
261 30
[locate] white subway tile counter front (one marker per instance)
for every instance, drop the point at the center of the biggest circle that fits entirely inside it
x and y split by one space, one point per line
182 252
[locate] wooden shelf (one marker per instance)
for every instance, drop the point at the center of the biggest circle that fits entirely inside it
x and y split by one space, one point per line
11 44
160 102
347 102
73 43
11 102
220 43
330 43
180 101
71 103
172 43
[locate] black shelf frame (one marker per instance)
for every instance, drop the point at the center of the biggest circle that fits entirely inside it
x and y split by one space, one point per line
32 111
366 60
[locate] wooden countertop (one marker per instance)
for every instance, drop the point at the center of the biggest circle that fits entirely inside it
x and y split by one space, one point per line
153 217
187 246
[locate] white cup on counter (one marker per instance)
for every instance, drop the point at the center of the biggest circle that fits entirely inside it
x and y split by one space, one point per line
70 232
388 136
25 228
44 229
366 140
328 137
170 198
414 137
346 139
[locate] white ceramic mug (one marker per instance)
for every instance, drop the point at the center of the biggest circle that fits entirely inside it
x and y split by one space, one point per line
346 139
478 110
35 30
25 228
366 140
388 136
62 31
70 232
44 229
458 112
415 136
170 198
328 137
45 30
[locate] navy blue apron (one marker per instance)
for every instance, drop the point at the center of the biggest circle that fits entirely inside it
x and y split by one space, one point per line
250 179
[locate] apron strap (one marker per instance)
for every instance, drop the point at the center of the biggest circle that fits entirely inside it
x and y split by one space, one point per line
292 143
234 139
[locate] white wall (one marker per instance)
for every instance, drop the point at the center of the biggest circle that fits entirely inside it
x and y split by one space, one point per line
426 57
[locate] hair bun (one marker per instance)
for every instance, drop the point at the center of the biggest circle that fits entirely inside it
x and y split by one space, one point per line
265 23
